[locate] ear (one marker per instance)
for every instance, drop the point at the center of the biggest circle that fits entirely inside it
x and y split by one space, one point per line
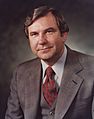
65 35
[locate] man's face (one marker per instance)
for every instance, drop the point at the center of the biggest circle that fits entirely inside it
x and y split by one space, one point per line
46 40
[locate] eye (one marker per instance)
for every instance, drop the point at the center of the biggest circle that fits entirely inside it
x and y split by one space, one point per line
50 31
33 34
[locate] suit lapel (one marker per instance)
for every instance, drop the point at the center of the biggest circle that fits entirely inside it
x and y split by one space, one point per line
32 90
70 85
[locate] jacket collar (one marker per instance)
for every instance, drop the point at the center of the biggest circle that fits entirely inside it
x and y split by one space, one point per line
70 84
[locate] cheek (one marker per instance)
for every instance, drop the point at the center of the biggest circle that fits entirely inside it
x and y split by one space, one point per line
59 43
33 45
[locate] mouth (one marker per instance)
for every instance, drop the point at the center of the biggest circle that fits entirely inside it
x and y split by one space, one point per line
45 48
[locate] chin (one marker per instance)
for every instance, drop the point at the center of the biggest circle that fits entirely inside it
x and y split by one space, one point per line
45 56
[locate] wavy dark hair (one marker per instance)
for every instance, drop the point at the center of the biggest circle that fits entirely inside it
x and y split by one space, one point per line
41 12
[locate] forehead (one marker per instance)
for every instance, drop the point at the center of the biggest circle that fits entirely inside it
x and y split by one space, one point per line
43 22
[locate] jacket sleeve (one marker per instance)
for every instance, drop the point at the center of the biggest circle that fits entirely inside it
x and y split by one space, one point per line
14 110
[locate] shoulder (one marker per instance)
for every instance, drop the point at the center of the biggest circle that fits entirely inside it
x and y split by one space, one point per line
28 66
86 61
25 70
82 57
31 62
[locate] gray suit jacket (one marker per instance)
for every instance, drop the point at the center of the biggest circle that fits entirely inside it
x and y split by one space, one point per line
75 98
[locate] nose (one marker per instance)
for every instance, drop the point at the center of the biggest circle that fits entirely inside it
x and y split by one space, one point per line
42 39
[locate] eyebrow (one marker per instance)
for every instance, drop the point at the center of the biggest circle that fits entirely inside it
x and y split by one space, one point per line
45 30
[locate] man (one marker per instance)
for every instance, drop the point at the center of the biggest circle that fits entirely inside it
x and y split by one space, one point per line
34 94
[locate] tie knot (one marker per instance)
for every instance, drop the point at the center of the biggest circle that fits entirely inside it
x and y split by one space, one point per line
49 72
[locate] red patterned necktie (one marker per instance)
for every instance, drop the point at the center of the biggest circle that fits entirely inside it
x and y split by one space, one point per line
49 87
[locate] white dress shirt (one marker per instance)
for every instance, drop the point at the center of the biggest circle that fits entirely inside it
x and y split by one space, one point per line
58 67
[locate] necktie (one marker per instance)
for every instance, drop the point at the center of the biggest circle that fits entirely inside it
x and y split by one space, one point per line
49 87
